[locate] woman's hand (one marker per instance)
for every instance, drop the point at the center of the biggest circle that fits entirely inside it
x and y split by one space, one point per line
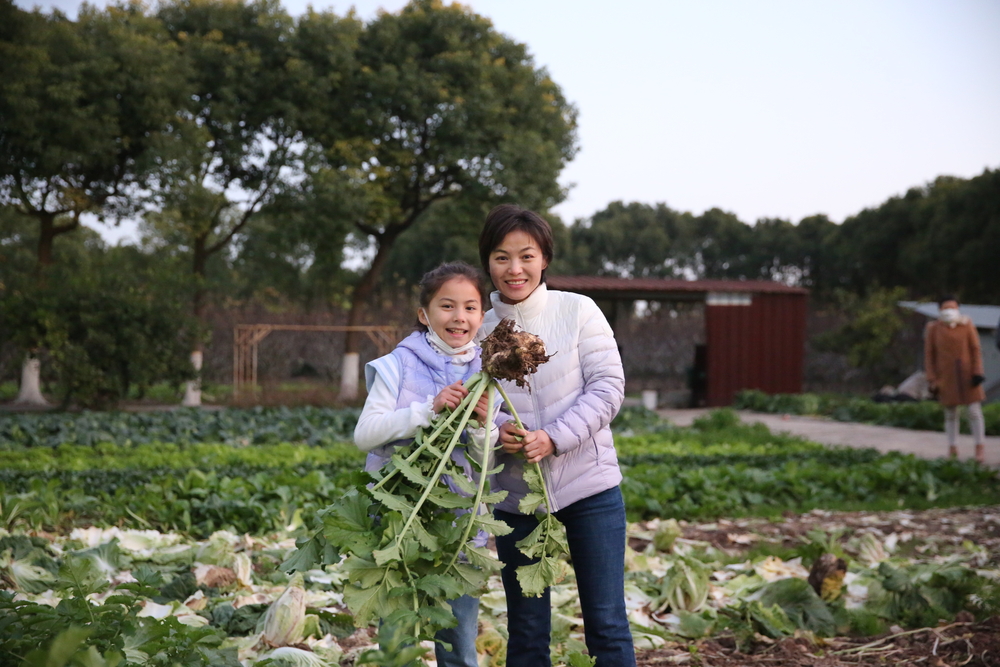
450 397
535 445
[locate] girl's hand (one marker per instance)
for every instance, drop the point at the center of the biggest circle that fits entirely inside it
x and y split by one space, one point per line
535 445
481 411
450 397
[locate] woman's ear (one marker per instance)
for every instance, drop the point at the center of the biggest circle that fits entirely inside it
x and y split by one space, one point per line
422 317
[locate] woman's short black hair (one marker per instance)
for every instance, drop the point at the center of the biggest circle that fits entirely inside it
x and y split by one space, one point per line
435 278
946 297
507 218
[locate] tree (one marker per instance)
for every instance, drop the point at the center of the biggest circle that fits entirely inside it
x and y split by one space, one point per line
293 251
239 143
869 338
443 107
821 259
937 238
81 104
630 240
108 324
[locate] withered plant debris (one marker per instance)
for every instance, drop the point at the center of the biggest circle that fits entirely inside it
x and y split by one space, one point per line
827 576
512 355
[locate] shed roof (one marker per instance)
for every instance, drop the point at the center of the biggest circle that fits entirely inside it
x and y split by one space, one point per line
984 317
652 288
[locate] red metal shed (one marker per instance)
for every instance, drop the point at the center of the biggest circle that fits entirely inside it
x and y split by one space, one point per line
755 330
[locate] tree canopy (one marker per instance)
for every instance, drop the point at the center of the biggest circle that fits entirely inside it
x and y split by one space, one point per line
303 159
81 106
941 237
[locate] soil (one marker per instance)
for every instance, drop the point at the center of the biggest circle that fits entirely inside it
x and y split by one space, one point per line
967 644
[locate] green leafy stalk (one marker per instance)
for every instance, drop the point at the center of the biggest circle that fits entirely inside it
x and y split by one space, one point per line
472 398
400 536
471 385
484 464
520 425
547 542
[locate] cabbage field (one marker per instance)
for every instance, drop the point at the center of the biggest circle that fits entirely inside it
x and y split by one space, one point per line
159 539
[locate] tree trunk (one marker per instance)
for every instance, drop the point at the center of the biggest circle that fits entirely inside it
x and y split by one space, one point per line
46 236
362 294
30 393
192 389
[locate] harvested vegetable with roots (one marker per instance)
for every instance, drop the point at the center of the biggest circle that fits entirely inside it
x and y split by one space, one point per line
406 534
512 355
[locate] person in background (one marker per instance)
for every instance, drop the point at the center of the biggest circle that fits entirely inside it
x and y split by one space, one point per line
953 362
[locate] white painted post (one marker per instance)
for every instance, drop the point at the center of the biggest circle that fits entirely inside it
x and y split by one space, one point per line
192 391
30 392
349 376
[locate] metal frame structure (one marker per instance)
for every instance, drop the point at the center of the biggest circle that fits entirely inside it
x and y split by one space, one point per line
246 338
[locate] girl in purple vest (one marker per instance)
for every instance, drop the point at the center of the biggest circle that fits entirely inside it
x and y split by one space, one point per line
417 380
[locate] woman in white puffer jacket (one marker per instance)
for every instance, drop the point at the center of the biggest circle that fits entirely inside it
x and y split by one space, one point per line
567 411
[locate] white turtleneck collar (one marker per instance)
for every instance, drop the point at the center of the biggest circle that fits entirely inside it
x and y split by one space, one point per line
528 309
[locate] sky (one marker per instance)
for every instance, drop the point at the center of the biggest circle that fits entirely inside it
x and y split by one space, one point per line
764 109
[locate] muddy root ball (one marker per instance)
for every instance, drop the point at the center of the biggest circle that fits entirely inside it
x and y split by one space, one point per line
512 355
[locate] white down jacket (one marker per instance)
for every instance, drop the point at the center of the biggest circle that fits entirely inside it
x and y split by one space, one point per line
573 397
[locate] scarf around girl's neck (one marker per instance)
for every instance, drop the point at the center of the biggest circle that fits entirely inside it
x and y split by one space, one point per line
462 355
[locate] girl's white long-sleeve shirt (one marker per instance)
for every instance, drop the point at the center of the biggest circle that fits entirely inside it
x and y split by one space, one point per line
380 422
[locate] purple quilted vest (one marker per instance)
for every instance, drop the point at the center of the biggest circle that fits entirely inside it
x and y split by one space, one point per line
423 373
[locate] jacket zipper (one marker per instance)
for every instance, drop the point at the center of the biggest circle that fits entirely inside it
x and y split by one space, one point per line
543 465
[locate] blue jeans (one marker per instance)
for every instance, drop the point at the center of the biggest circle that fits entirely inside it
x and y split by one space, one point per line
595 530
462 637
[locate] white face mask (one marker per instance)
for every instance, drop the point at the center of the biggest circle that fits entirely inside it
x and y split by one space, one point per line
948 315
439 343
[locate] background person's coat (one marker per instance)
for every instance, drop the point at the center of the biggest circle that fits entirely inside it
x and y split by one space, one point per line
951 357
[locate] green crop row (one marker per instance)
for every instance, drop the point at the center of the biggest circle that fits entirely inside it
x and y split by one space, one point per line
723 467
310 425
717 467
923 415
196 488
869 481
75 458
191 501
255 426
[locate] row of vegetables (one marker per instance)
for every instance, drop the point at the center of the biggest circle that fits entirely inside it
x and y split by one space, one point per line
252 426
719 467
324 426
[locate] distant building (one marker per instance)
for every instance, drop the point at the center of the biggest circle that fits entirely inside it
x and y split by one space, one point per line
755 330
985 318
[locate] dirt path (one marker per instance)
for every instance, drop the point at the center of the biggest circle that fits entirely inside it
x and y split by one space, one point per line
925 444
